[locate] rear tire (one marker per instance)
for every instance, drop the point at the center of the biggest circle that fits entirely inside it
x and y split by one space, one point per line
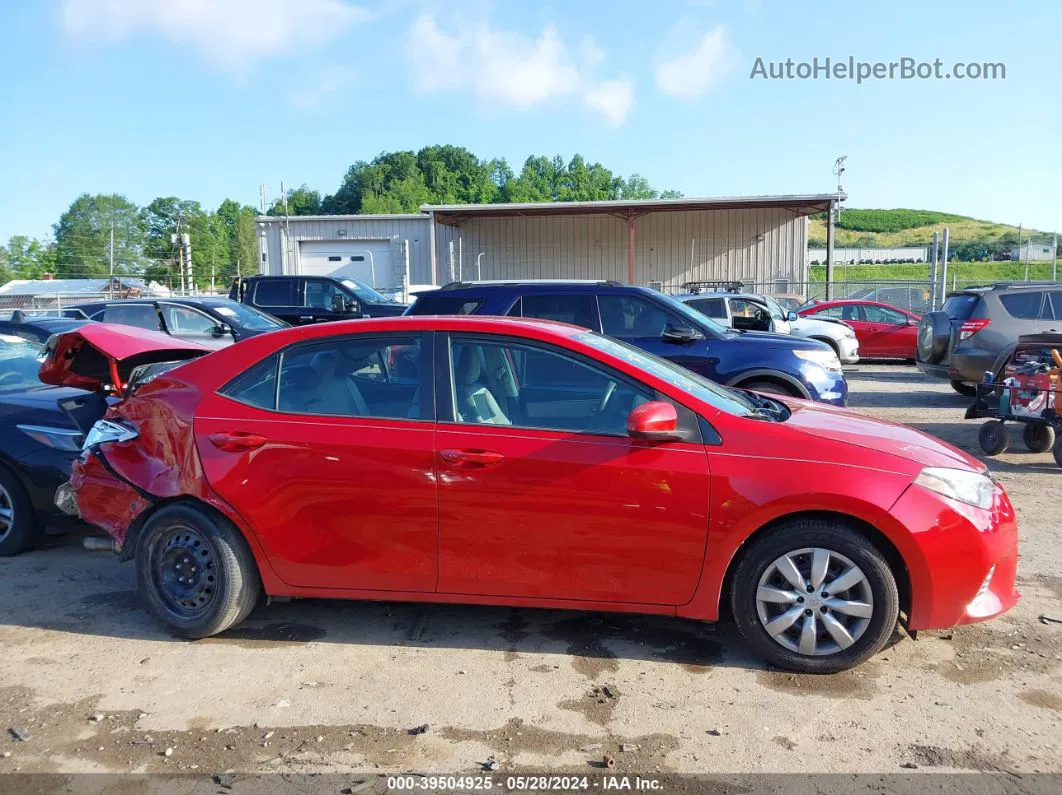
195 572
969 390
1038 438
993 437
18 523
864 614
770 388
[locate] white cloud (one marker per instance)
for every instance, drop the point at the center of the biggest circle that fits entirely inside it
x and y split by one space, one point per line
506 69
613 99
692 73
228 33
314 91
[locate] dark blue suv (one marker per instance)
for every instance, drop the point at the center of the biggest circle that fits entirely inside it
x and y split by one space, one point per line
774 363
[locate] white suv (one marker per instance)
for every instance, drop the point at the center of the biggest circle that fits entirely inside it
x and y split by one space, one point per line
752 312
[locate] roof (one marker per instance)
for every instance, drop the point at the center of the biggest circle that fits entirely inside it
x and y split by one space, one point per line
798 204
38 287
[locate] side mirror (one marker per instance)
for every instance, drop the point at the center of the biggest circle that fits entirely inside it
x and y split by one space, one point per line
220 330
680 335
655 421
339 305
913 321
792 316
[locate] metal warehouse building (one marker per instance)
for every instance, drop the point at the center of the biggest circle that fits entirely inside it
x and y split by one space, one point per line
664 242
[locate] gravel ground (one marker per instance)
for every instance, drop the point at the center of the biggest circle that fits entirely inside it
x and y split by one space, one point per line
91 683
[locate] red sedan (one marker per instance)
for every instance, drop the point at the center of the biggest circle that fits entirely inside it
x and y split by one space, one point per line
519 462
883 331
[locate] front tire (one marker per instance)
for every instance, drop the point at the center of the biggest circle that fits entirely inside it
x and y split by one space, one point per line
195 572
769 388
784 608
1038 438
967 390
18 523
993 437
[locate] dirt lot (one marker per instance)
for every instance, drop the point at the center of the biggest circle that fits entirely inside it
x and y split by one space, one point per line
93 684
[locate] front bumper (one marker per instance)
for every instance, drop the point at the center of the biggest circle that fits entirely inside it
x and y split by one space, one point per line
848 348
826 386
963 566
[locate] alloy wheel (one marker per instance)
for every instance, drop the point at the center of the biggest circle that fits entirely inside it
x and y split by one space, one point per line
814 601
7 512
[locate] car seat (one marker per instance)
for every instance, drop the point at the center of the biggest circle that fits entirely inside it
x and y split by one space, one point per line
475 402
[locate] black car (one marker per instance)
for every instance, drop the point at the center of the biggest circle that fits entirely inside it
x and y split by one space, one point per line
214 322
301 300
38 439
758 361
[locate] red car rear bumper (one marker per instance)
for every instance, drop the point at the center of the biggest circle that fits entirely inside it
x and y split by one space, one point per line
967 558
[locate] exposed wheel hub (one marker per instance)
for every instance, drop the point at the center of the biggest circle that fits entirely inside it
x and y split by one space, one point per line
185 570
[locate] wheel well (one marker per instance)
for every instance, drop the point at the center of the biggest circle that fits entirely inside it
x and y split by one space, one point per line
132 535
880 541
829 342
769 379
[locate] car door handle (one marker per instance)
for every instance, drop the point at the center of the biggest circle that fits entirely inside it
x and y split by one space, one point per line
236 441
470 458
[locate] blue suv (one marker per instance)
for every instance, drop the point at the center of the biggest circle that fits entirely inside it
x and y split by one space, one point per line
774 363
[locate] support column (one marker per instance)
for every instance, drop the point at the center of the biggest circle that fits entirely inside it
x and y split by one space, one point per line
630 248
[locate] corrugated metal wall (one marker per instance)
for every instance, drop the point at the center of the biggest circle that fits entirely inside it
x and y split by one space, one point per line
760 245
278 261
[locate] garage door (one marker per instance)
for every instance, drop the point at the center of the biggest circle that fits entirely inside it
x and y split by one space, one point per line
366 260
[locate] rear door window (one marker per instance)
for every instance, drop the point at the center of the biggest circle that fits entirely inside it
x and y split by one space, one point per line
139 315
1022 304
631 317
275 292
575 309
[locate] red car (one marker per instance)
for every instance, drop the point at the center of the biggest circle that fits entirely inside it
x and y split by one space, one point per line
883 331
522 462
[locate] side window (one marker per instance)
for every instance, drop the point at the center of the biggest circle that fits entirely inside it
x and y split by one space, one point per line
139 315
626 316
879 314
275 292
844 312
575 309
353 377
712 307
319 294
750 309
256 386
1023 304
180 320
445 305
509 383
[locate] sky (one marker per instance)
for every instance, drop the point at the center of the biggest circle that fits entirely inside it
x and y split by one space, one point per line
208 99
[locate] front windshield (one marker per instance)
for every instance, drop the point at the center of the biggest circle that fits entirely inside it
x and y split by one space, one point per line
248 318
19 364
698 319
723 398
366 293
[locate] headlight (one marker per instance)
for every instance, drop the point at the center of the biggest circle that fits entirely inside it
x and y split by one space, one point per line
827 359
107 431
59 438
972 488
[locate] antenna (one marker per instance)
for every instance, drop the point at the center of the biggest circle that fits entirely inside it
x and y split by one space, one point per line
838 170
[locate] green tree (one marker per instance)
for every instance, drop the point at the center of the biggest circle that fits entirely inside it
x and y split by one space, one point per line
29 258
637 187
83 233
302 200
236 224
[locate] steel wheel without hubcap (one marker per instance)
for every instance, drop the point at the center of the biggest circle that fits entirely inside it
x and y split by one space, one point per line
814 601
185 571
7 513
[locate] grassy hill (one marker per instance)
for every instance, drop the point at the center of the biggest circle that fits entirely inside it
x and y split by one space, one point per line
902 227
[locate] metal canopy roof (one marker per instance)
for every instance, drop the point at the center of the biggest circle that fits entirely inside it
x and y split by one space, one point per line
798 204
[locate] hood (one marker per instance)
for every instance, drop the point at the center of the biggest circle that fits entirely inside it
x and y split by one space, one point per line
766 339
100 357
843 425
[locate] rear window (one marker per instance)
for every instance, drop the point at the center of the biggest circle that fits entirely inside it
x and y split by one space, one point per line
960 307
575 309
1023 305
445 305
139 315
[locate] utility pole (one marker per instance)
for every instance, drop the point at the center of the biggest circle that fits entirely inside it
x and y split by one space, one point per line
288 265
833 212
944 264
186 247
111 286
